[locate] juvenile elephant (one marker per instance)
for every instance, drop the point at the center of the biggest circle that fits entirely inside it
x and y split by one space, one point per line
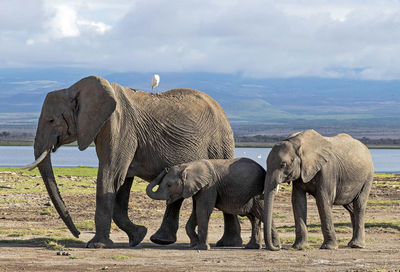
136 134
234 186
335 170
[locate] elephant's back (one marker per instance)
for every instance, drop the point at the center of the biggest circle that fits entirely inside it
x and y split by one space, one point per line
241 179
201 113
244 176
349 145
356 154
178 126
193 98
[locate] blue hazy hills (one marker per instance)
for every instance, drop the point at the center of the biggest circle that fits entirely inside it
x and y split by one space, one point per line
245 100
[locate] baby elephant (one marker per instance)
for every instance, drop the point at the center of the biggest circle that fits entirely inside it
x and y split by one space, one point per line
233 186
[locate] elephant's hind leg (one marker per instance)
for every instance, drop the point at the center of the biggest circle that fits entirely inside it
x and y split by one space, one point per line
136 233
231 237
359 207
350 208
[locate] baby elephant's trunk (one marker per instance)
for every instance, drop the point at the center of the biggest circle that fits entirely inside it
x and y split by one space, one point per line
158 195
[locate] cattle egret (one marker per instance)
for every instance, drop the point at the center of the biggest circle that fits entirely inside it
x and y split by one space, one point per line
155 81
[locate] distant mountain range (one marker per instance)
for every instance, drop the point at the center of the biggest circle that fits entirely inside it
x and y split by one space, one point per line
247 101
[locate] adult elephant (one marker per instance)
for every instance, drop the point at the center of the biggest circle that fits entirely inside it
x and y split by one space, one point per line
136 134
335 170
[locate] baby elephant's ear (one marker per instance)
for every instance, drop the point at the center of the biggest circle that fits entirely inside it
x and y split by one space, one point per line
196 176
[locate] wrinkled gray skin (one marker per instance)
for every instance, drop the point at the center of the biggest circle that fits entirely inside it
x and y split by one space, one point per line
335 170
136 134
234 186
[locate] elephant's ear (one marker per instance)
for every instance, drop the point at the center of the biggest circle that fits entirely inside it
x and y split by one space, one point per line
93 101
314 152
196 176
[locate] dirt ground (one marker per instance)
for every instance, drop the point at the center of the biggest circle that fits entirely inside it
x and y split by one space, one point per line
25 221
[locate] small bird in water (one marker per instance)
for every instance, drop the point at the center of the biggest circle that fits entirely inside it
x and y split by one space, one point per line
155 81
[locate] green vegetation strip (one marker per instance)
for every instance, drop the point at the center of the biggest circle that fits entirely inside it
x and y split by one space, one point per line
86 171
31 232
385 175
311 239
80 180
119 257
15 143
89 225
80 171
385 202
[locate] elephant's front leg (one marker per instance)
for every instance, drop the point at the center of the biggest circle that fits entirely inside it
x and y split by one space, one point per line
205 203
203 213
105 198
108 182
136 233
166 234
255 240
191 227
299 205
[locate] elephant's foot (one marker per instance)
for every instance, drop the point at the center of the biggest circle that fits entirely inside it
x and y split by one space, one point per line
162 237
230 240
276 241
253 245
329 245
356 244
201 247
299 245
99 242
138 236
194 242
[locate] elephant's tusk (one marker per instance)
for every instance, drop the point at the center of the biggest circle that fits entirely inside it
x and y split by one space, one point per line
35 163
277 188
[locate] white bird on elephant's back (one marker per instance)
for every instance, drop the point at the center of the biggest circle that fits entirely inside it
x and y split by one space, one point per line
155 81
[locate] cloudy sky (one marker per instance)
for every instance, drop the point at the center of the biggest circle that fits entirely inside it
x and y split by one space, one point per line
259 38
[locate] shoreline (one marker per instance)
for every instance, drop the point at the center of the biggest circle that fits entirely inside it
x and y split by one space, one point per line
270 145
89 171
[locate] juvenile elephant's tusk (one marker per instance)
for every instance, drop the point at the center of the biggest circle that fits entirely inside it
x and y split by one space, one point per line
277 188
35 163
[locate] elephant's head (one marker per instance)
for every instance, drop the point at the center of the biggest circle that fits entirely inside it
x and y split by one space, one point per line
181 181
299 157
76 113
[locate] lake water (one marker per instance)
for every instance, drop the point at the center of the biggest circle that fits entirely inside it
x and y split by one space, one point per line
385 160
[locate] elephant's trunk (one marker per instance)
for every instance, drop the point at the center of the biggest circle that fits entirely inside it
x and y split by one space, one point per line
158 195
268 207
46 171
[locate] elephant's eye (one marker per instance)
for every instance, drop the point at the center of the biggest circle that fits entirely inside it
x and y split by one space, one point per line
283 165
51 121
169 185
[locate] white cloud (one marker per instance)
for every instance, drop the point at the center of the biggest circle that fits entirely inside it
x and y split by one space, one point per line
260 38
30 42
63 22
98 27
66 22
